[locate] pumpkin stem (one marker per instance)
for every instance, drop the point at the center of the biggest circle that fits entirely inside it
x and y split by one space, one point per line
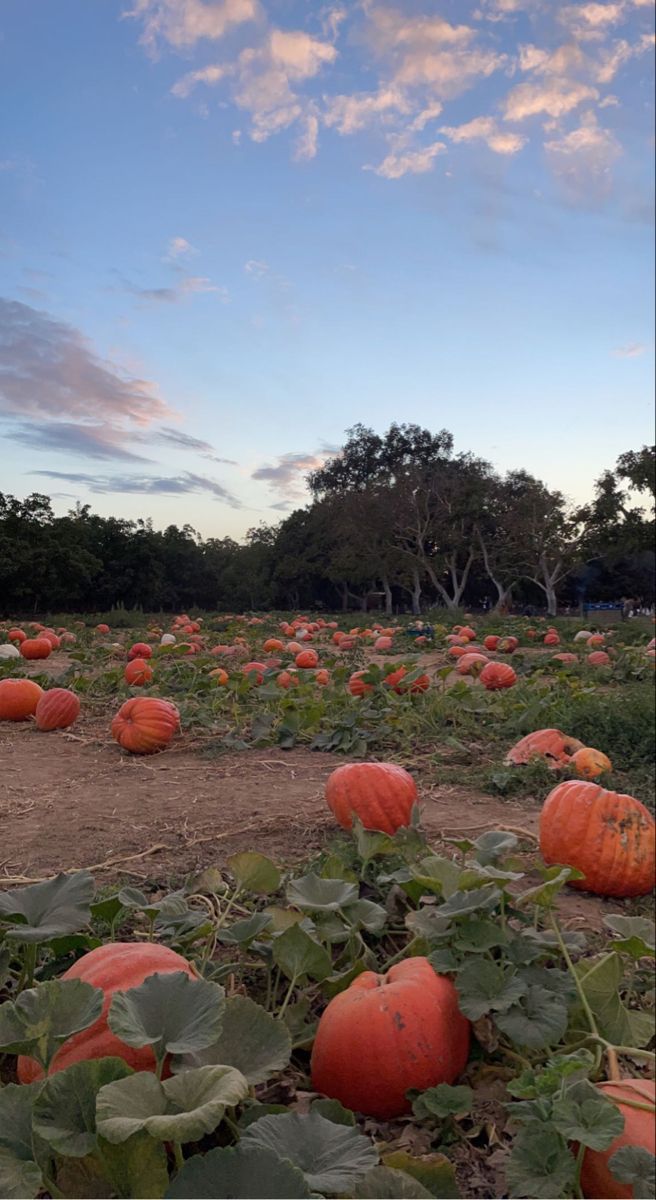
582 996
614 1073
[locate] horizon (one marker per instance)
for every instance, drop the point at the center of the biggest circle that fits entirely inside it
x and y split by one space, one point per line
234 229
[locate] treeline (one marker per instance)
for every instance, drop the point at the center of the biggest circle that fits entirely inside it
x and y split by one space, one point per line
396 521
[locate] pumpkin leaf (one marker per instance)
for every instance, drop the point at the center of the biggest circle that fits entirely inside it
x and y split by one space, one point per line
600 980
531 1084
583 1114
538 1020
332 1157
386 1183
42 1018
172 1013
443 1101
299 956
478 935
433 1171
487 987
242 933
544 894
282 918
254 872
65 1109
461 904
333 984
47 910
541 1165
107 910
372 843
489 847
315 894
332 1110
250 1039
180 1109
240 1172
636 935
135 1168
365 914
20 1175
635 1166
438 875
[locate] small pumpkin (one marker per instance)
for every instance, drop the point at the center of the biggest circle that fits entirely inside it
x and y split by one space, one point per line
599 658
322 677
114 967
551 639
8 650
491 641
307 660
254 671
57 708
595 639
219 676
508 645
497 675
36 648
17 635
383 643
386 1034
138 672
606 835
18 699
272 644
380 795
471 664
140 650
144 725
102 628
639 1130
588 763
357 686
565 657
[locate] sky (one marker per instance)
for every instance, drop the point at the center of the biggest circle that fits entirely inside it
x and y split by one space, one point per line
231 229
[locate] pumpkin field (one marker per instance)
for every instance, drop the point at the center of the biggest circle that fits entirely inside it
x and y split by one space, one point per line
293 905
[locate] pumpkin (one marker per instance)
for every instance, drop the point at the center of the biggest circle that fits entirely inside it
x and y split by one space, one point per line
380 795
588 763
219 676
272 644
285 679
144 725
322 677
639 1130
114 967
491 641
582 635
51 636
140 650
497 675
606 835
16 635
387 1033
138 672
551 639
357 686
383 643
293 647
456 651
599 658
168 639
18 699
565 658
36 648
556 747
454 639
471 664
8 651
596 639
508 645
307 659
57 709
467 632
254 670
102 628
347 643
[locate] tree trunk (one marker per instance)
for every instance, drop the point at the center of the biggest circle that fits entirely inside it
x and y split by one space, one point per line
416 593
503 599
388 597
552 602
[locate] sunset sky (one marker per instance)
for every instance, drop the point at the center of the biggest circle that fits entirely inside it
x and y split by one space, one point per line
231 229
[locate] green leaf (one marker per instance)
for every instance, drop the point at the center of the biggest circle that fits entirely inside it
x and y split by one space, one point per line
332 1110
386 1183
299 956
546 1083
491 846
365 914
332 1157
333 984
486 987
438 875
545 893
428 923
443 1101
371 843
180 1109
253 1111
601 980
241 1173
636 935
583 1114
42 1018
541 1165
434 1172
50 909
135 1168
479 935
462 904
539 1019
250 1039
254 872
65 1110
242 933
314 894
637 1167
20 1176
172 1013
107 909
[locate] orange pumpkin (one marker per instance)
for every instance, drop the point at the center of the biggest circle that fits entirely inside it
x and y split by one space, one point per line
566 658
219 676
551 639
606 835
272 644
588 763
471 664
380 795
36 648
286 679
293 647
322 677
140 650
383 643
556 747
639 1130
144 725
138 672
497 675
467 632
386 1034
57 709
599 658
51 636
114 967
595 639
18 699
16 635
508 645
307 659
254 671
102 628
457 651
357 685
491 641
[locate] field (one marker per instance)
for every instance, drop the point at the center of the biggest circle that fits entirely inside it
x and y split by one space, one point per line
222 848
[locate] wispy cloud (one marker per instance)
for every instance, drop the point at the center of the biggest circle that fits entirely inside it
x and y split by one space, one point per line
408 162
185 441
149 485
630 350
188 285
65 437
179 247
486 129
183 23
287 476
582 159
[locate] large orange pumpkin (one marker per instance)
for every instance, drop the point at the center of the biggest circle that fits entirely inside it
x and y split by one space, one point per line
599 658
386 1034
639 1130
307 659
36 648
16 635
143 725
491 641
497 675
381 795
138 672
606 835
556 747
140 650
18 699
114 967
57 709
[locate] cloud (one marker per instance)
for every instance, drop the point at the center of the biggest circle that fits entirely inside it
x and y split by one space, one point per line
408 162
65 437
149 485
350 114
256 267
582 159
590 22
189 285
630 350
556 98
287 477
485 129
184 441
183 23
209 75
267 76
179 247
49 369
307 142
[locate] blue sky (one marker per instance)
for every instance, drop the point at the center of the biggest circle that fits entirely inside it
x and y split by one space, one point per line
232 229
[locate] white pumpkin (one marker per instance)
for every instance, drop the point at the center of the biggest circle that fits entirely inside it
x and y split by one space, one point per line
167 639
9 651
582 635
